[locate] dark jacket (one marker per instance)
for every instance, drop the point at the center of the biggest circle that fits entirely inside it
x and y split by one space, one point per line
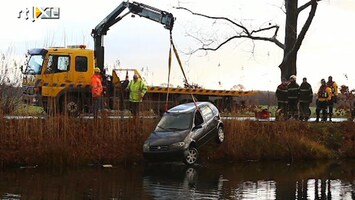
293 91
306 93
281 93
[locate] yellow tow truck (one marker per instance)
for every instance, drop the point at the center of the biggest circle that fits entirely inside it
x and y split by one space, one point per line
58 78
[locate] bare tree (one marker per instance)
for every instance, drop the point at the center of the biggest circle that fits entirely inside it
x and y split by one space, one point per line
10 93
293 39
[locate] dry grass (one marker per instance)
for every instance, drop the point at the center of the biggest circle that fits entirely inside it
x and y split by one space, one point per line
61 141
292 140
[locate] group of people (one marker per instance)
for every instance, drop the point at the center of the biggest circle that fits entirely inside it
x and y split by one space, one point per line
136 88
294 100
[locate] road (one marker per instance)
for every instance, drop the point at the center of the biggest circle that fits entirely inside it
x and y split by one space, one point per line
149 117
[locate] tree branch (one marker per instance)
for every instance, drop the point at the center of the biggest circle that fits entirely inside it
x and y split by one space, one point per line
306 5
307 24
216 18
244 34
265 29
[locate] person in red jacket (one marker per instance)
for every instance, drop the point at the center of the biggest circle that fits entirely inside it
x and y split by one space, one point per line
96 91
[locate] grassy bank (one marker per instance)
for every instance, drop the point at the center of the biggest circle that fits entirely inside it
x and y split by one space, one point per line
250 140
64 142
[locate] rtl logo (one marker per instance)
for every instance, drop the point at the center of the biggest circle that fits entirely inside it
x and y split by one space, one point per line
40 13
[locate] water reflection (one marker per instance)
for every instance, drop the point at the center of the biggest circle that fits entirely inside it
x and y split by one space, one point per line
177 181
313 180
306 180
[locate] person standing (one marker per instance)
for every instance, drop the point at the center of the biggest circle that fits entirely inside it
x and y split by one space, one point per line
137 89
124 94
96 91
306 96
323 97
282 99
293 96
334 96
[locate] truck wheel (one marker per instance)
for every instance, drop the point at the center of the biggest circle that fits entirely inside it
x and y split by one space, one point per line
190 156
71 106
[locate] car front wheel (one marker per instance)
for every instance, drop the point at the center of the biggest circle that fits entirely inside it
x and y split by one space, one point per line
191 155
220 135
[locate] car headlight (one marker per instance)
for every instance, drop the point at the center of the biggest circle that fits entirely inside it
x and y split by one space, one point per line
178 145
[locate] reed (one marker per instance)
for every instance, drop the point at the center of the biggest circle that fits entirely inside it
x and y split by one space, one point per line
64 141
292 140
60 141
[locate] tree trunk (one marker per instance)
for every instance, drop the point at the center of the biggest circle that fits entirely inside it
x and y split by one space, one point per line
288 66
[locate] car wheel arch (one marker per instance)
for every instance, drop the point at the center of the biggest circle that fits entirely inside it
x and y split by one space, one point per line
193 144
220 124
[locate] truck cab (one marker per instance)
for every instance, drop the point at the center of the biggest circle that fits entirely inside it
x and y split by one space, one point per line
59 76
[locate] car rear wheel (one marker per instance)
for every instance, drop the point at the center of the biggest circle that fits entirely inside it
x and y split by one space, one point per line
220 135
191 155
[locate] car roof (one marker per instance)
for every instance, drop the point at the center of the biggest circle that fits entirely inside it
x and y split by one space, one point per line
187 107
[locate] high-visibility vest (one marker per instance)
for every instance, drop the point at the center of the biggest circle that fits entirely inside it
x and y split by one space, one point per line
96 85
324 93
137 89
333 87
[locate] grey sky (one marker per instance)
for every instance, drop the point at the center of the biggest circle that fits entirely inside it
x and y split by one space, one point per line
139 43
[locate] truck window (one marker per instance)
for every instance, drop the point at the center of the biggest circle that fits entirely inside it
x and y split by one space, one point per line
57 64
34 65
81 64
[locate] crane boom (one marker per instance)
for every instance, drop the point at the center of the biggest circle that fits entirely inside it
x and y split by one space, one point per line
142 10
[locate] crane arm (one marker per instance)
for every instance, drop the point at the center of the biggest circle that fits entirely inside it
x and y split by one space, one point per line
115 16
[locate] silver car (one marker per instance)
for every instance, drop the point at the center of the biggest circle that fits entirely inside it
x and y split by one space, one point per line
182 131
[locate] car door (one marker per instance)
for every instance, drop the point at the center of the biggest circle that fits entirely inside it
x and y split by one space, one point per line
199 128
210 124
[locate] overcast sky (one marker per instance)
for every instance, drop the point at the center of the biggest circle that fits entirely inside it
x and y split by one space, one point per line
329 47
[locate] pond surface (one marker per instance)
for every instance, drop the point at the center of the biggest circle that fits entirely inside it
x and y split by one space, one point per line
249 180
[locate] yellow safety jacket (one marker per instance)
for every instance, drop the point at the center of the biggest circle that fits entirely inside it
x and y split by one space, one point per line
333 87
324 93
136 90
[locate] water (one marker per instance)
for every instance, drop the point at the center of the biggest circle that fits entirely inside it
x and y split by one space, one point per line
248 180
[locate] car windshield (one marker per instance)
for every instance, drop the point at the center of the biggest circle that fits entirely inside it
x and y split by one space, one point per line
175 122
34 65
